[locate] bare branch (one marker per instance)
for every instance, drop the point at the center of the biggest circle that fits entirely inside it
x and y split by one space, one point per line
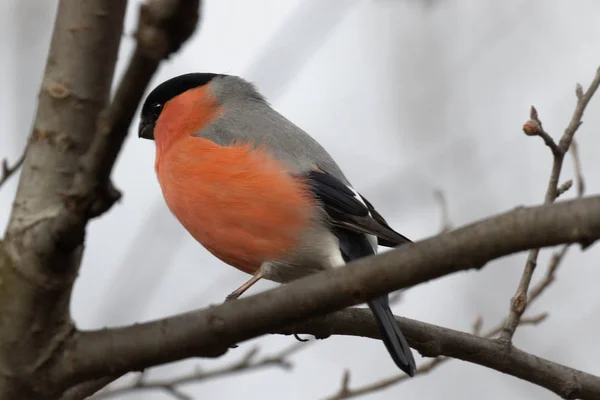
8 171
555 261
208 333
346 393
76 137
435 341
562 189
574 150
34 314
86 389
163 27
582 101
477 326
534 127
248 362
445 224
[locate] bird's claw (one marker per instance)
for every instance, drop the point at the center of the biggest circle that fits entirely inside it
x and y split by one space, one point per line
298 338
232 296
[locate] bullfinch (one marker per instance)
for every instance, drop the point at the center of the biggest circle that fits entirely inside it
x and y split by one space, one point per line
258 192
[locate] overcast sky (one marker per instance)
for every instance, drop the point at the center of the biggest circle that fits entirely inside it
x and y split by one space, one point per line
408 98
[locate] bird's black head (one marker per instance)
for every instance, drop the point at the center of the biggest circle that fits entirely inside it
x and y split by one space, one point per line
163 93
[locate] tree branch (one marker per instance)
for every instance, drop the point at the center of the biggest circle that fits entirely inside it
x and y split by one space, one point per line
557 258
445 222
346 392
163 27
249 362
208 333
562 189
65 179
84 390
577 168
534 127
435 341
7 170
34 305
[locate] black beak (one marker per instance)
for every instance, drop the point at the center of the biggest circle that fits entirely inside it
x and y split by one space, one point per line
146 130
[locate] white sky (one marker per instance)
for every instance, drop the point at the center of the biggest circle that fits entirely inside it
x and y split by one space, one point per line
407 99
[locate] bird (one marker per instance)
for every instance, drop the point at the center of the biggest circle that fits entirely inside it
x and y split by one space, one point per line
258 192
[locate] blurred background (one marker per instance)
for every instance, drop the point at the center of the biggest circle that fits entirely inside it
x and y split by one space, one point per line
409 96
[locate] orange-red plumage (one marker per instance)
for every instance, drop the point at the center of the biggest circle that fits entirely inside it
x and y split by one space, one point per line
182 116
238 202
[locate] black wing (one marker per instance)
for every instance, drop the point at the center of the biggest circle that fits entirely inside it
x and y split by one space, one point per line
348 209
351 216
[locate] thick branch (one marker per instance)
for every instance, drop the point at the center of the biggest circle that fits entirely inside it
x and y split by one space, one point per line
34 296
84 390
65 179
163 27
90 355
434 341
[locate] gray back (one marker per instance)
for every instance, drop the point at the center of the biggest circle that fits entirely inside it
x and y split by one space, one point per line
249 118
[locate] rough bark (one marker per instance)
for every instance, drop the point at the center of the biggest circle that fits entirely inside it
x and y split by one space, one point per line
209 332
76 138
36 275
433 341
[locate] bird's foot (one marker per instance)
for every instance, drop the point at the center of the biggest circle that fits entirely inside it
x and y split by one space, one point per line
298 338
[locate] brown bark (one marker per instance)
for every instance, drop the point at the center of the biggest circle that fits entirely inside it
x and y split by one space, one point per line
76 137
209 332
37 275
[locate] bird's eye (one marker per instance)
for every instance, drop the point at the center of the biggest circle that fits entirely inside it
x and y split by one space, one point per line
156 109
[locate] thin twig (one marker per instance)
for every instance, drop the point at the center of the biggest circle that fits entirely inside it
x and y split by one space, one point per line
445 224
519 300
477 325
574 150
248 362
534 127
345 392
562 189
8 171
555 261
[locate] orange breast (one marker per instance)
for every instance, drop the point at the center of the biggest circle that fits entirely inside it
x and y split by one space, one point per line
238 203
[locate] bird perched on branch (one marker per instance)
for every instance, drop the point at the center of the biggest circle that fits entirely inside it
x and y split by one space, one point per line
258 192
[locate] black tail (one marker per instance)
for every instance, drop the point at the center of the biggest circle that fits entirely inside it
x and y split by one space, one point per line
355 245
392 337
